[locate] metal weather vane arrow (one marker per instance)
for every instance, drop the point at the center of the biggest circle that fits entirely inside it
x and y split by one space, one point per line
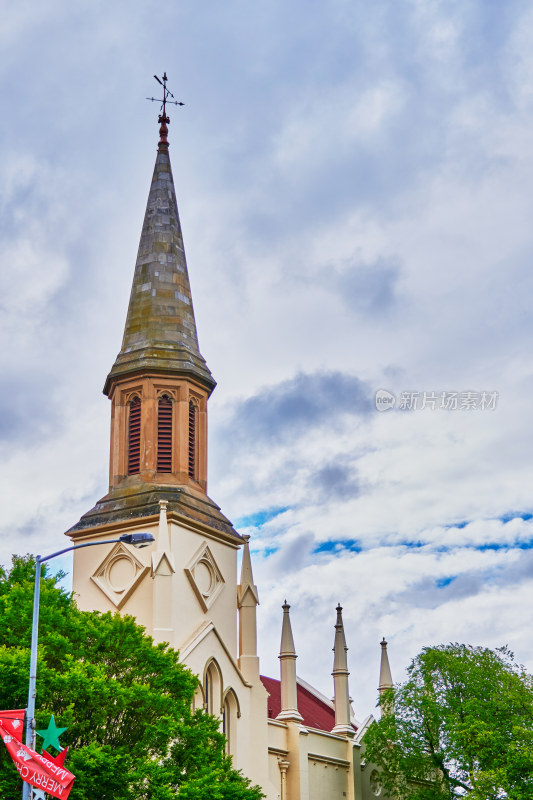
166 94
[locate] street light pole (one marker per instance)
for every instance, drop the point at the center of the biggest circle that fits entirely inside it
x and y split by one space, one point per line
135 539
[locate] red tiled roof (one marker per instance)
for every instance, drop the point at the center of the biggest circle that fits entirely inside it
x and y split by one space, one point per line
316 713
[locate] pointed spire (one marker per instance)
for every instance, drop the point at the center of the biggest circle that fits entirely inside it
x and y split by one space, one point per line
287 656
340 649
340 674
247 578
159 384
385 676
160 332
247 602
287 641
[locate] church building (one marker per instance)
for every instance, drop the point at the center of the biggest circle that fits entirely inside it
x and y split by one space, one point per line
185 589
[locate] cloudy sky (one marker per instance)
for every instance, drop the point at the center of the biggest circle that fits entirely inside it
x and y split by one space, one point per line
355 182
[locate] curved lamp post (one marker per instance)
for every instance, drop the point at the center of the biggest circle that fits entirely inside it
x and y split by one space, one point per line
135 539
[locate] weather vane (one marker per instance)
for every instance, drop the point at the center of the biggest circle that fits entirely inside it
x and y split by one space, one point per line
166 94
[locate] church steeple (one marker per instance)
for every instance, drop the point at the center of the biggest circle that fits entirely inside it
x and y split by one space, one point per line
160 331
159 384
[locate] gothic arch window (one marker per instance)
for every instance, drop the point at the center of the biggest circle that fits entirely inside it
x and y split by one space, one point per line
212 688
193 440
164 434
134 436
230 713
198 700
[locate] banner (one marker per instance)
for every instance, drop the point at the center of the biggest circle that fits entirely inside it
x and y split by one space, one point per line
13 721
33 768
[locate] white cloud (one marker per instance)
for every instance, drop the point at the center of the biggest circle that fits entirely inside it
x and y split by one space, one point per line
355 191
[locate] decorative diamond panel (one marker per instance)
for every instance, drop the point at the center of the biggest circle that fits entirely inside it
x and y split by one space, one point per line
119 574
205 577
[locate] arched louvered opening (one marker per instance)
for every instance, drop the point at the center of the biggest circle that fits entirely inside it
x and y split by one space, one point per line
134 436
193 439
164 434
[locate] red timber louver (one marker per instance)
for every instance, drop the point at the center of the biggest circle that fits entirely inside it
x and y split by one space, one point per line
164 434
193 410
134 437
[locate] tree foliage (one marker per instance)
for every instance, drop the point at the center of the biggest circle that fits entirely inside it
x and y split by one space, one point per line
460 726
125 701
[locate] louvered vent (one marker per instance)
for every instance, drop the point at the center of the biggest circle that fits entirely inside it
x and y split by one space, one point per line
164 435
192 439
134 437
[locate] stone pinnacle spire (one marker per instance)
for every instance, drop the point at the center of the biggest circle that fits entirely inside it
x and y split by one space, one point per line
385 676
340 680
287 657
160 332
247 578
247 602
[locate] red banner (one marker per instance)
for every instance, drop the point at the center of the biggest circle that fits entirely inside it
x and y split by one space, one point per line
33 768
13 721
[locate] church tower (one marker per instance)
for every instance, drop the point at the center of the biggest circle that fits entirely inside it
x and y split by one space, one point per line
159 384
184 589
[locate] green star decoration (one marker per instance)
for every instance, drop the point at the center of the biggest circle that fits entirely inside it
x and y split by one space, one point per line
51 735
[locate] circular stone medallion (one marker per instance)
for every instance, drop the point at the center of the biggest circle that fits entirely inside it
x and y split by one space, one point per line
120 573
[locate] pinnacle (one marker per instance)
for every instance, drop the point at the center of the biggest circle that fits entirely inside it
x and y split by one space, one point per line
385 677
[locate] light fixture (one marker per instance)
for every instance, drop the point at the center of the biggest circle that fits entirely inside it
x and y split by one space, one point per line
137 539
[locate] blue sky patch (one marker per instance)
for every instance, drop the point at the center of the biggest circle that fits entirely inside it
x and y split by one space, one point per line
336 545
440 583
259 518
525 545
516 515
507 517
412 543
268 551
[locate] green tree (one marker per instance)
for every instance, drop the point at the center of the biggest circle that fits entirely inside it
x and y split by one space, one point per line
125 701
460 726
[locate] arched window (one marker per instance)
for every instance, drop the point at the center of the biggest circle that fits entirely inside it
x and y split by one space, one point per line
198 700
193 439
230 714
134 436
208 691
164 434
213 688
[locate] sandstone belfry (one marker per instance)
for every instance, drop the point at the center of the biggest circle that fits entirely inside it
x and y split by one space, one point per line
284 734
